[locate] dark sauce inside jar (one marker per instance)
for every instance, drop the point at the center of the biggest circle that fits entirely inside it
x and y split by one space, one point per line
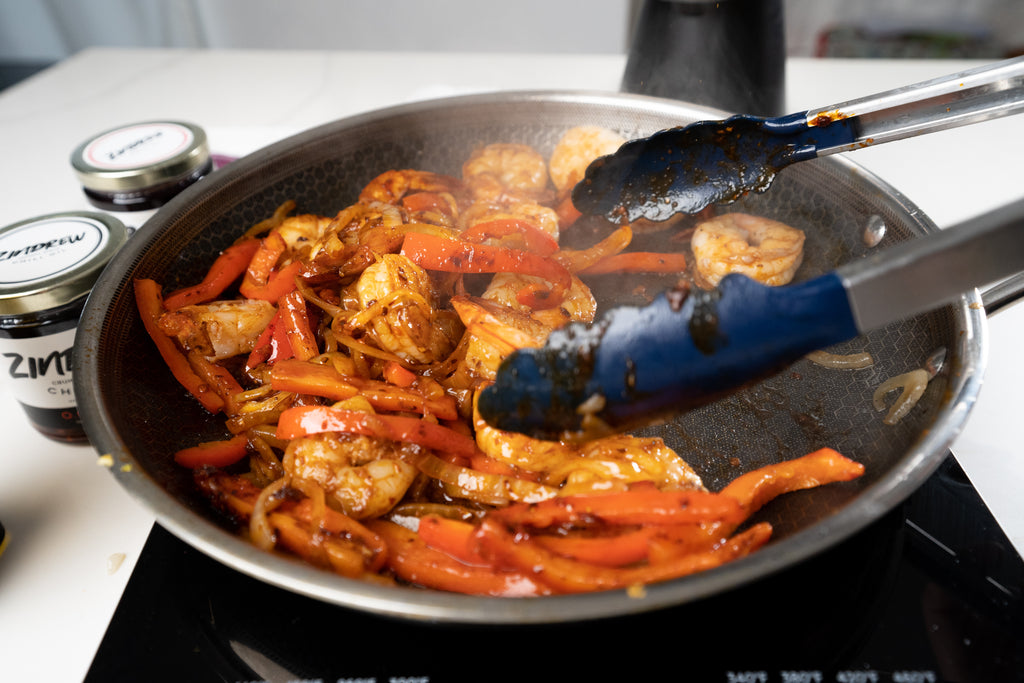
148 198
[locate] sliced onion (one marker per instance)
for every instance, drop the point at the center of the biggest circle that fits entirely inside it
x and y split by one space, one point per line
911 385
260 529
268 224
835 361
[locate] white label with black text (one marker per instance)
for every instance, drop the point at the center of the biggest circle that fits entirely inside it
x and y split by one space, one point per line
38 369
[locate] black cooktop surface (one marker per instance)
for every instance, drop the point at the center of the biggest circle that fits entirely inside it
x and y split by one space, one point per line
931 592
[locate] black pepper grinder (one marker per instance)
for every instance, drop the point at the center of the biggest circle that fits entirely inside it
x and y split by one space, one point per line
728 54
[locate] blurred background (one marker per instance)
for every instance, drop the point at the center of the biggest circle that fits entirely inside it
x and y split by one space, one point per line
37 33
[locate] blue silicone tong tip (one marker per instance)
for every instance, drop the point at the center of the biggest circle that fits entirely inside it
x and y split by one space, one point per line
638 364
685 169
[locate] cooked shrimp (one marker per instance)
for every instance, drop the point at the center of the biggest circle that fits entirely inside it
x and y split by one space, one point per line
622 459
765 250
399 310
578 305
501 171
219 329
520 450
576 149
389 187
362 476
604 464
356 235
494 331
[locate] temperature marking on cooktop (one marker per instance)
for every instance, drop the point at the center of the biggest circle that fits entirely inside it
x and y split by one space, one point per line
801 677
747 677
857 677
914 677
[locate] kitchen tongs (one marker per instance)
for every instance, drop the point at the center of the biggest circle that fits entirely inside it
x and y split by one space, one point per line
683 170
637 365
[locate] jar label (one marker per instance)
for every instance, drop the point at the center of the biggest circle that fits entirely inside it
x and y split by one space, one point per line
137 146
38 369
40 250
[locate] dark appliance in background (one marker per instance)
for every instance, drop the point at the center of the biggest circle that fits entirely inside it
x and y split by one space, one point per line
728 54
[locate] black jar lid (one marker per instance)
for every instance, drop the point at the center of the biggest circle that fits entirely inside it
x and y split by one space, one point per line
52 260
141 155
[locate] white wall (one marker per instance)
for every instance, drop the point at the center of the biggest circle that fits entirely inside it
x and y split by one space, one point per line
48 30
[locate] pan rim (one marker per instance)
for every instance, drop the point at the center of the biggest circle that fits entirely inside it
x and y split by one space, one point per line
425 605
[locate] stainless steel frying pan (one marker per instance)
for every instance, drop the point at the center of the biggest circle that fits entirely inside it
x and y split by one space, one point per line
134 410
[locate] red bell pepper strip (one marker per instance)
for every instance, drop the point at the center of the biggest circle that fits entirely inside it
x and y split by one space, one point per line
272 345
610 550
300 421
456 537
398 375
262 263
261 280
300 377
824 466
638 262
452 536
637 506
149 302
264 346
426 201
281 282
514 551
455 256
213 453
752 491
537 241
684 539
231 264
412 560
297 326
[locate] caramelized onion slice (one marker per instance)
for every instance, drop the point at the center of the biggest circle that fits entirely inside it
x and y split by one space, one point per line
911 385
835 361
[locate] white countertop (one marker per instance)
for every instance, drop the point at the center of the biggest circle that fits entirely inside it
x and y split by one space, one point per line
67 518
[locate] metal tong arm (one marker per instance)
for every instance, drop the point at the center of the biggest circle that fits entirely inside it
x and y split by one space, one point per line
641 362
917 275
980 94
